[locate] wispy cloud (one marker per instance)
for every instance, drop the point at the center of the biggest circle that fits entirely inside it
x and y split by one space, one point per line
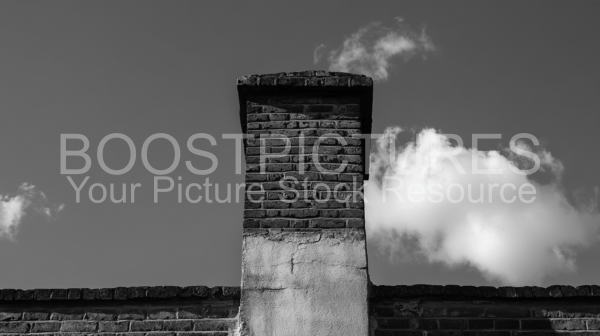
14 207
371 49
318 52
510 242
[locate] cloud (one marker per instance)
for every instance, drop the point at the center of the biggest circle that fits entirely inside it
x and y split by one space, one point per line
13 208
317 53
371 49
518 242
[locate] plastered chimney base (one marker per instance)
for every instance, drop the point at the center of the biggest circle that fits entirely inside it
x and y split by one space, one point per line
304 283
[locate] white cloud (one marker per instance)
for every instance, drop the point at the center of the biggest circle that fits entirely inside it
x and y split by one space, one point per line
13 208
514 243
317 53
371 49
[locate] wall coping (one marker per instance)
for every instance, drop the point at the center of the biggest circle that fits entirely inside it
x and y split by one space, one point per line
120 293
307 79
482 292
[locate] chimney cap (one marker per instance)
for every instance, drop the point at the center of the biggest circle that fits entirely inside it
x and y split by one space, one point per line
310 78
311 82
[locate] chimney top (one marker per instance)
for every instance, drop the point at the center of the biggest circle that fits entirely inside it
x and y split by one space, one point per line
310 78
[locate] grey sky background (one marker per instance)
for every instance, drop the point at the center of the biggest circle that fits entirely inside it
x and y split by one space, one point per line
140 68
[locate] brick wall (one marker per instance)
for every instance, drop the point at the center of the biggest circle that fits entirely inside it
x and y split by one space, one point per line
136 311
313 117
454 310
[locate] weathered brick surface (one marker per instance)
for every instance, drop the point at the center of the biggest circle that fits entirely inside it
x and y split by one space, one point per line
468 310
305 141
136 311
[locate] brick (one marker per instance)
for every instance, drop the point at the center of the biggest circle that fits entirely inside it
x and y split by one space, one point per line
327 223
451 290
113 326
351 213
435 312
568 291
583 291
42 294
295 223
232 291
320 108
24 295
383 311
177 326
481 324
257 117
101 316
276 205
254 213
465 311
593 324
131 314
488 291
393 323
214 325
506 324
426 324
555 291
568 324
136 292
453 324
14 327
36 316
74 294
507 292
275 223
10 316
191 313
40 327
7 294
533 324
185 292
540 292
156 292
162 314
251 223
79 326
299 213
399 333
105 294
59 294
218 312
201 291
146 325
509 311
67 316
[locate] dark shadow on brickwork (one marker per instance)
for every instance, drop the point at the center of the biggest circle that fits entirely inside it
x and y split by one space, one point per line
468 310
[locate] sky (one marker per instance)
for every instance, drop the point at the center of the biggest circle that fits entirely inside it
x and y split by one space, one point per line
145 67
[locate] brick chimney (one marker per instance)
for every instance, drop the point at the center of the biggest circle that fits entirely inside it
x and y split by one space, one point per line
304 260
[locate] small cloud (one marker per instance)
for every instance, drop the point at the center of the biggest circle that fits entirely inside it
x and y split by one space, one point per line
317 53
13 208
371 49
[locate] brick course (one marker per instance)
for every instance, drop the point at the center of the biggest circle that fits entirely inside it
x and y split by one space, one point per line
468 310
139 311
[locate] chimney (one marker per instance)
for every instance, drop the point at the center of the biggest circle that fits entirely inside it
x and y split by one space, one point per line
304 260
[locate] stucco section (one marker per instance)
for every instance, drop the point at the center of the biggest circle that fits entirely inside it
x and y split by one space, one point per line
304 283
